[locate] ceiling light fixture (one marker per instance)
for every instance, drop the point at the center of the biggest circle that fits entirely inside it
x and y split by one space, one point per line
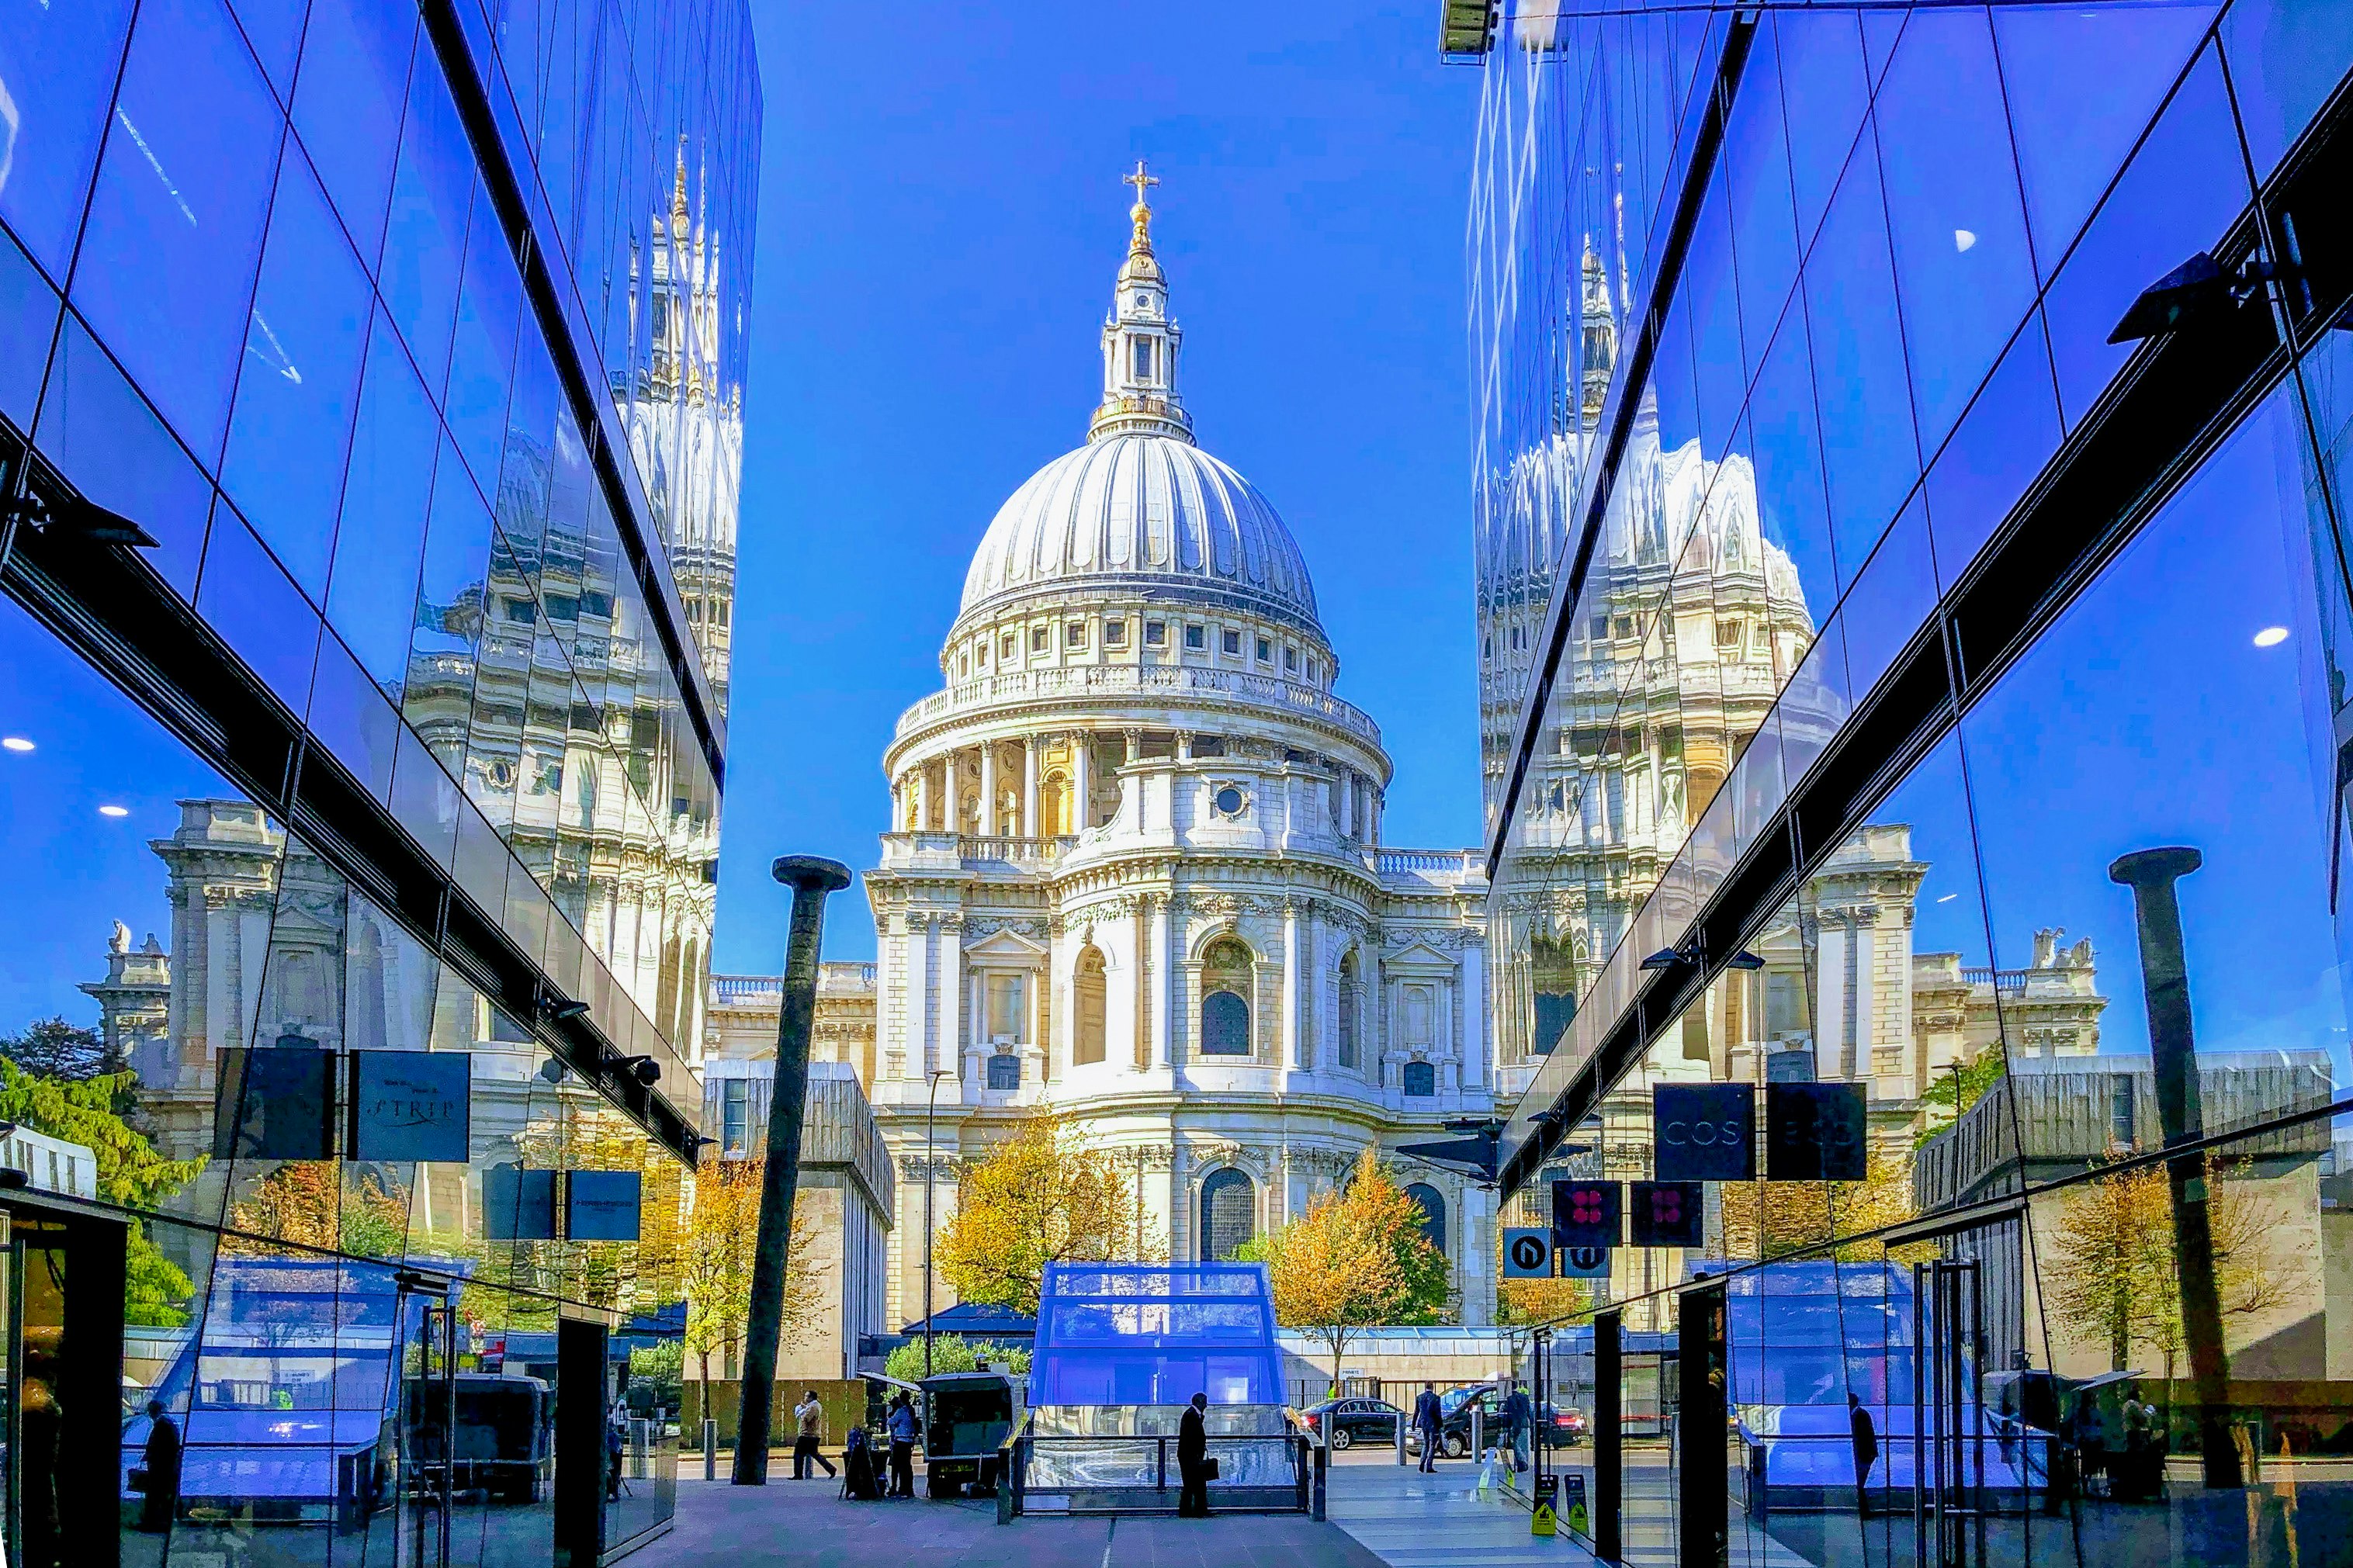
113 811
16 743
2271 637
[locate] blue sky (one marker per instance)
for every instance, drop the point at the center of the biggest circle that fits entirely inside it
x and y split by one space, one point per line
941 217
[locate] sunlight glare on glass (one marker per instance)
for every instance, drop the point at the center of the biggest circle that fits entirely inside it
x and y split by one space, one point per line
15 743
2271 637
113 811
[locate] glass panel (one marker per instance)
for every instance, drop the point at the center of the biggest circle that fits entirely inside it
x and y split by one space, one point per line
347 109
176 220
481 354
246 597
1869 454
380 542
424 233
2001 444
1962 264
2287 56
2176 197
103 437
2073 127
28 324
57 66
300 375
438 699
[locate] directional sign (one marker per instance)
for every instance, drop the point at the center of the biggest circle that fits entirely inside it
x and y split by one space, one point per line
1527 1255
1668 1214
1705 1131
1585 1263
1585 1214
1816 1133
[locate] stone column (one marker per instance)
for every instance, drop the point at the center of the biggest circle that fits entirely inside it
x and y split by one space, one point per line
1347 804
923 797
989 827
1146 971
1030 824
1163 976
1082 780
1474 1015
952 990
1296 1050
917 1026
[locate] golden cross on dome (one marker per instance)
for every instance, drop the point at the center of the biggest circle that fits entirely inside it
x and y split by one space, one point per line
1139 180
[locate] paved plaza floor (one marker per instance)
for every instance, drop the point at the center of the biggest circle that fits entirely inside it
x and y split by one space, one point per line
804 1524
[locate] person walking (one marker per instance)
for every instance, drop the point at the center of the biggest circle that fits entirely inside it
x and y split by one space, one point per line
808 1417
1193 1461
1865 1437
902 1428
1427 1420
162 1485
1519 1424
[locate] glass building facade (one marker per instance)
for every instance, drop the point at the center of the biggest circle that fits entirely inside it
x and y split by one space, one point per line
370 420
1913 683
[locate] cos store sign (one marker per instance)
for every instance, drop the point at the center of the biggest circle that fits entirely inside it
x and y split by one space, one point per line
1705 1131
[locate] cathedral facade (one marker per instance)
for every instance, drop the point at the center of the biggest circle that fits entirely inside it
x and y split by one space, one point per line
1135 877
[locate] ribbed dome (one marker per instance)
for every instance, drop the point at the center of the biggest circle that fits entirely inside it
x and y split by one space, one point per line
1145 510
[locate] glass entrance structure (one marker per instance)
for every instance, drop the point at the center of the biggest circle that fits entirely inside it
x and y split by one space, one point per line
361 747
1914 602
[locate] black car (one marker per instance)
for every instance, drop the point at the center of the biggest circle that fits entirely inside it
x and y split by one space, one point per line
1454 1407
1344 1423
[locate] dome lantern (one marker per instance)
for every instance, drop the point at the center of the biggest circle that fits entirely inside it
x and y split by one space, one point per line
1139 341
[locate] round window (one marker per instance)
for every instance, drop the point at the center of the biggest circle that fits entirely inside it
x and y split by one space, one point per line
1228 801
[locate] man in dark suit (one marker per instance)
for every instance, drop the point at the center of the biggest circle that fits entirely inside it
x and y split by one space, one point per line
1193 1461
1865 1437
1427 1420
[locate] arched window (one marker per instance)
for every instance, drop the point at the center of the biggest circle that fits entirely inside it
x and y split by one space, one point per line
1229 1213
1349 1057
1433 1214
1087 986
1419 1080
1225 999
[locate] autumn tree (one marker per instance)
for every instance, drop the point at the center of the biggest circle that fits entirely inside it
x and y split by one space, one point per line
309 1203
1767 1220
721 1231
1041 1196
2114 1274
1540 1301
1356 1259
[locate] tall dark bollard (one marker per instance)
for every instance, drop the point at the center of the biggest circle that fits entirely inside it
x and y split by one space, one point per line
811 878
2173 1050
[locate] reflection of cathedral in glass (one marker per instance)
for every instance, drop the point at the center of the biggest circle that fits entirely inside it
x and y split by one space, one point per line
1691 621
685 413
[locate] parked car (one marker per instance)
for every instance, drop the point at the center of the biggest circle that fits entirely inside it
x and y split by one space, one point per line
1566 1426
1344 1423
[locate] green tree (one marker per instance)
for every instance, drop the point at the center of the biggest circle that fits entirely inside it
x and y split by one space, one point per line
952 1352
130 1173
54 1049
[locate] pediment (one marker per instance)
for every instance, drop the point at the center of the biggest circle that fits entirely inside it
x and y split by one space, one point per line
1006 944
1420 955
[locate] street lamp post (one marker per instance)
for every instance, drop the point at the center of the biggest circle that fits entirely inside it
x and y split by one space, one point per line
931 1101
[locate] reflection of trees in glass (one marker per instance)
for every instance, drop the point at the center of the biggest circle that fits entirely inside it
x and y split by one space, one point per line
1540 1301
130 1171
2112 1276
307 1202
954 1352
1767 1220
1041 1196
1355 1259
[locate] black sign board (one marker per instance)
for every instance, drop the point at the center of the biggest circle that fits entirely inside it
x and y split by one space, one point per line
1704 1132
275 1103
1668 1214
411 1105
1585 1214
1815 1132
602 1206
517 1204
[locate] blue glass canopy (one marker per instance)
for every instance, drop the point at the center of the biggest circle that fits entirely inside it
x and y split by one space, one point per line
1156 1333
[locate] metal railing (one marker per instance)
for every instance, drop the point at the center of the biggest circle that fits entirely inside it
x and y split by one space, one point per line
1095 680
